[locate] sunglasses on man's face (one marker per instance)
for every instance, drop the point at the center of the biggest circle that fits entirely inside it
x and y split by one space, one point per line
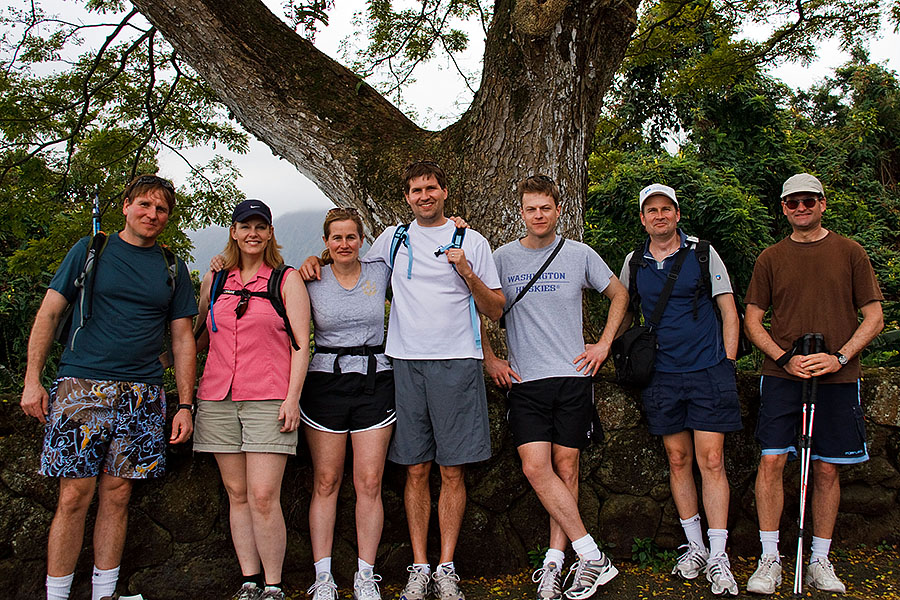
793 203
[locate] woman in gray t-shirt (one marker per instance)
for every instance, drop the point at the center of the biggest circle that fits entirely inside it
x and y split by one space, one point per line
349 390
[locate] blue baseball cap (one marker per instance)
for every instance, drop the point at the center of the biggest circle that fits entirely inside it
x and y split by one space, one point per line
251 208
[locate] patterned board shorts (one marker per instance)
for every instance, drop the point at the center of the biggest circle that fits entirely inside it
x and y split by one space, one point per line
114 427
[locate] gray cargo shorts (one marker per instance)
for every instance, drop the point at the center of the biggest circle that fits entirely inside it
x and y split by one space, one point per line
441 412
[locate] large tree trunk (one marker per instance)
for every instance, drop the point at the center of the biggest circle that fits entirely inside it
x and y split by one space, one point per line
547 65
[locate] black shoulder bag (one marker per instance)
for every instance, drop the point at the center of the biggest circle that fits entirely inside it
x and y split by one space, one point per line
534 278
634 352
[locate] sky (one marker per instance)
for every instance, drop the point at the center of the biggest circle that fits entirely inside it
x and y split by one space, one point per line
438 96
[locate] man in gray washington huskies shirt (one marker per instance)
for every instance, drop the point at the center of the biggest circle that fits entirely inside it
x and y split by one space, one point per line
551 405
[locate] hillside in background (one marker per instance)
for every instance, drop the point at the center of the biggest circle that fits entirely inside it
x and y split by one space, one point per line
299 233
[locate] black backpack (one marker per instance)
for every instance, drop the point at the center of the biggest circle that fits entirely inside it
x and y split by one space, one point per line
272 294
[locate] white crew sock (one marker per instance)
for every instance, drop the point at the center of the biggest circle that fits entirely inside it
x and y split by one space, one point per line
447 567
323 565
586 548
423 567
58 588
555 556
693 531
769 541
820 548
362 565
104 582
717 540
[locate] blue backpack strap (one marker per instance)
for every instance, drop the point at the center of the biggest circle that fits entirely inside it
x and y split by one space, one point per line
456 242
401 236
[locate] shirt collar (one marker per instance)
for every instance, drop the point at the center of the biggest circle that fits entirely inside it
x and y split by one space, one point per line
683 242
264 272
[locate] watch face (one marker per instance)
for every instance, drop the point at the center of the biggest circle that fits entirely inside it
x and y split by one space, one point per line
841 358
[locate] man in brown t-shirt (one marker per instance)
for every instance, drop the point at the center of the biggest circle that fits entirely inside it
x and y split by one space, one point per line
815 281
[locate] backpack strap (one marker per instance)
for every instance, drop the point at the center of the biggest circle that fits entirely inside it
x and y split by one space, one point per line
171 266
534 278
667 289
701 250
456 242
635 264
273 292
216 289
84 283
401 236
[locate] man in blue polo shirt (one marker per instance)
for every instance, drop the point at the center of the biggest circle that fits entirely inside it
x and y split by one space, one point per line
692 399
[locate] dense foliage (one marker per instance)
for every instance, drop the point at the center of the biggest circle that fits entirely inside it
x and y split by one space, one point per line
739 142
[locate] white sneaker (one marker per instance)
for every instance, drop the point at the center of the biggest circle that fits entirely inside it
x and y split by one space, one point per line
446 584
767 576
820 575
691 562
365 585
549 580
324 588
417 585
718 573
590 575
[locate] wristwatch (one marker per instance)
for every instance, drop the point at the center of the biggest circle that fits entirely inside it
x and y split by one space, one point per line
841 358
191 407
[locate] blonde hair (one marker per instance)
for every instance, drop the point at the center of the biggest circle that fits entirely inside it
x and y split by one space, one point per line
339 214
231 256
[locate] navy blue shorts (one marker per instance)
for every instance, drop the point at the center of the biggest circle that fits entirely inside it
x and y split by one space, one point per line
559 410
704 400
839 429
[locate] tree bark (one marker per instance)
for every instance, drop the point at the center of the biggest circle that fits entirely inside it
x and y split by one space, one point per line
547 65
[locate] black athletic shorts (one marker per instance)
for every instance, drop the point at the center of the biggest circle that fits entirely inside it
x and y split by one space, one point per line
336 403
839 429
559 410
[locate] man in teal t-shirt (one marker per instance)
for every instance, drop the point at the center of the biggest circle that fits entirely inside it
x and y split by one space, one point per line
106 411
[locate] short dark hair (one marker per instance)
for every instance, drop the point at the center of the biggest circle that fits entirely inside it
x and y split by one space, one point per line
539 184
142 184
423 168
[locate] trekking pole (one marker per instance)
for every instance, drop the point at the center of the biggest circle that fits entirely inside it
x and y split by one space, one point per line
812 342
95 213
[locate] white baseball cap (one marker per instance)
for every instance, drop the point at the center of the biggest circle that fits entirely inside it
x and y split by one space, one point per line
654 189
802 182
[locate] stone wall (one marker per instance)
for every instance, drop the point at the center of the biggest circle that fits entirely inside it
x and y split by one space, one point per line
179 546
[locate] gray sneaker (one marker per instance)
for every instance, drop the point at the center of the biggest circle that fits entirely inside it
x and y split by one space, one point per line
248 591
446 584
718 573
589 575
767 576
324 588
365 585
820 574
272 594
417 585
691 563
549 580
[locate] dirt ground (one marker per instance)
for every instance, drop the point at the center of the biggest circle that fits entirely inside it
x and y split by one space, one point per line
868 573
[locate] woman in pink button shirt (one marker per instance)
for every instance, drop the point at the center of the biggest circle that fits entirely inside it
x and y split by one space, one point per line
248 401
